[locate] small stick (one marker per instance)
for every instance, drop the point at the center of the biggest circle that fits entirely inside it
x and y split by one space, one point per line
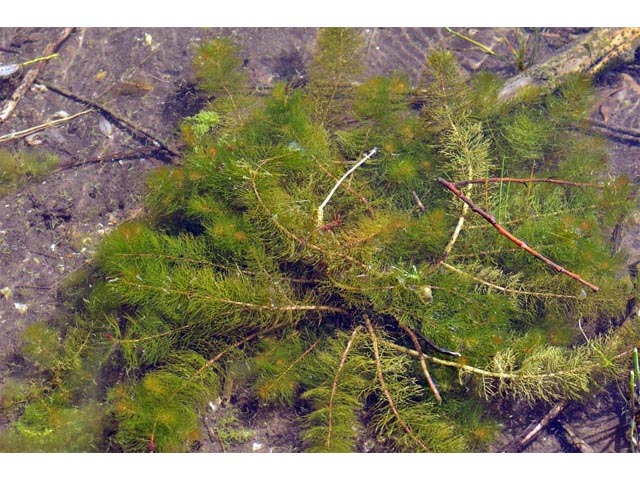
10 105
320 212
575 440
423 364
532 433
135 130
511 237
42 126
631 132
462 183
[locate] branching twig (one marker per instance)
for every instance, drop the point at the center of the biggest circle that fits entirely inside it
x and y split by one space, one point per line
10 105
334 386
532 432
511 237
135 130
236 303
292 365
423 364
383 386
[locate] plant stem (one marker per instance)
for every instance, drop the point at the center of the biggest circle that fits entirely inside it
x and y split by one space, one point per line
320 212
334 386
385 390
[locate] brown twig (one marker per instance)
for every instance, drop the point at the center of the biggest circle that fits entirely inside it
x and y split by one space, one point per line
462 183
10 104
423 363
532 432
334 386
114 157
575 440
625 133
136 131
511 237
385 390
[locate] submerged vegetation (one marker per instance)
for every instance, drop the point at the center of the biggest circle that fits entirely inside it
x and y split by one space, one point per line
387 259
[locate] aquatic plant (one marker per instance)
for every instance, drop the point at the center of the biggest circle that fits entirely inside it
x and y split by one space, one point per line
388 259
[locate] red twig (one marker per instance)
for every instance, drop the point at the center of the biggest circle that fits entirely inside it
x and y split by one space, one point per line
489 218
462 183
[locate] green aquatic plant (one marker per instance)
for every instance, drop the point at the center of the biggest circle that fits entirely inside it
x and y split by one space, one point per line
16 169
335 248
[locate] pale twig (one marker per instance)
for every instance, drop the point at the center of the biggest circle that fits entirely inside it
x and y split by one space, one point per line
505 289
334 386
320 211
350 189
42 126
10 104
419 203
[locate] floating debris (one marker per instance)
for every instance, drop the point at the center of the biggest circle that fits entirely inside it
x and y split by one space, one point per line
256 446
6 292
105 127
8 70
21 307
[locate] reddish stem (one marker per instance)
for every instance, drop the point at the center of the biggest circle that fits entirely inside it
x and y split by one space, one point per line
489 218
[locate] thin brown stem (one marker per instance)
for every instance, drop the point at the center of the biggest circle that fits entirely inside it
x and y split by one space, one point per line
385 390
293 364
423 363
334 386
511 237
138 132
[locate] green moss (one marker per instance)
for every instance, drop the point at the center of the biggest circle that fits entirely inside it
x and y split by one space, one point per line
17 169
